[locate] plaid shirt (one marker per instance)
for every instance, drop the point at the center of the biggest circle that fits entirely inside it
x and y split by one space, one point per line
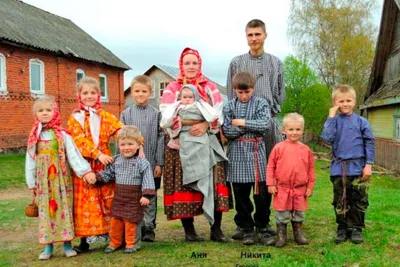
241 154
268 72
129 171
147 119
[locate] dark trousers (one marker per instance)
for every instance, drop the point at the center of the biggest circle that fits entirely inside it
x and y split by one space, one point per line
351 215
244 206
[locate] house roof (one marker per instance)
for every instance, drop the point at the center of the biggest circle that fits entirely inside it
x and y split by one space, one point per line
173 72
387 95
382 52
29 26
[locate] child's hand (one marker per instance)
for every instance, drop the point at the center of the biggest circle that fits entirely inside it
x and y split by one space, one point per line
89 178
332 111
308 192
157 171
105 159
239 122
141 153
272 190
367 172
144 201
33 191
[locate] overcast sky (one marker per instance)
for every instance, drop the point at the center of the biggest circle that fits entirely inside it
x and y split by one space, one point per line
146 32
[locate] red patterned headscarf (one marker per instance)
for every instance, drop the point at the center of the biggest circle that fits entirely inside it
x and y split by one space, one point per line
196 81
55 125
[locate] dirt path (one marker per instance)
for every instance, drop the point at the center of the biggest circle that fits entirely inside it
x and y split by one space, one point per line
15 193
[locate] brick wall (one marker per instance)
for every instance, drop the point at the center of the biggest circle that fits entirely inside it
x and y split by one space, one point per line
16 119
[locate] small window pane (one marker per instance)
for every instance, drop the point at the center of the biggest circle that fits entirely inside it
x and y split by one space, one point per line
35 77
102 86
79 76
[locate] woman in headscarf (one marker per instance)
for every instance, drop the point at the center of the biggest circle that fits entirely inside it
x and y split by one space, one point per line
180 201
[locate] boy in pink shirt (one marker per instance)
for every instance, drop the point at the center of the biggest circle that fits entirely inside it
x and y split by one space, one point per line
290 179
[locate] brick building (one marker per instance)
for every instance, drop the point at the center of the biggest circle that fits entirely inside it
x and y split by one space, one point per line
42 53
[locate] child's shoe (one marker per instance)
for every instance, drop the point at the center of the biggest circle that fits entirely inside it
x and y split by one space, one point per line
282 235
83 246
45 256
47 253
341 236
248 237
109 249
356 236
266 238
297 233
149 235
69 252
129 250
238 234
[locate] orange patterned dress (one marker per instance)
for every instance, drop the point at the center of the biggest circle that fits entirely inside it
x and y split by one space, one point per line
92 203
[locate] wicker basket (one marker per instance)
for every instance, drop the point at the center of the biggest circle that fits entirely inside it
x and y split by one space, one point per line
32 209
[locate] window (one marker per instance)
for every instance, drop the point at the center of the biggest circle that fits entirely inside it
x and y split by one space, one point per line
103 87
36 73
3 78
80 74
162 87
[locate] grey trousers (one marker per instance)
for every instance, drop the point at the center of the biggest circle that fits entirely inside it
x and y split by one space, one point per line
287 216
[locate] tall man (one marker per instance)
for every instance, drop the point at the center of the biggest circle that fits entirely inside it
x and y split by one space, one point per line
268 72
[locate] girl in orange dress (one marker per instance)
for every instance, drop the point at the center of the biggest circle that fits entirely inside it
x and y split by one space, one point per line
91 128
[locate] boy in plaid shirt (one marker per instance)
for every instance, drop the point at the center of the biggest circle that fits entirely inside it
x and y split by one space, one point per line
246 119
134 189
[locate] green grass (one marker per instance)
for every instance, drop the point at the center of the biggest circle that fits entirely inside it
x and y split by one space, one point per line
12 168
19 245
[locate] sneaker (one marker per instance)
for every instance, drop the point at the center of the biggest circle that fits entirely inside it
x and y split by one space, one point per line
70 253
130 250
356 236
45 256
248 238
341 236
109 249
266 238
238 234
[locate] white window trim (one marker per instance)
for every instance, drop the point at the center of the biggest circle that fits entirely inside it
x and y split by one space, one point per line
80 71
159 88
41 64
105 97
3 84
153 91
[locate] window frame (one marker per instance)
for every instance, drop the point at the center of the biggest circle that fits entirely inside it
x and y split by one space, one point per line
80 71
159 87
3 74
105 97
41 65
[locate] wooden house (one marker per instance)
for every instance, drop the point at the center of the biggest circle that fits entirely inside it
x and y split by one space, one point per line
42 53
382 100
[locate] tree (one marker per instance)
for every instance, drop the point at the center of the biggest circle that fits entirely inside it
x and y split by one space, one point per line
337 37
305 95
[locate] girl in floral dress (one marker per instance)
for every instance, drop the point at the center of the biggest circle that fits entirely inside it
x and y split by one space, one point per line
50 152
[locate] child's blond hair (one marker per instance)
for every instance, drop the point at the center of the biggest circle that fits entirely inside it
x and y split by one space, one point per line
343 89
292 117
142 79
130 132
90 81
42 99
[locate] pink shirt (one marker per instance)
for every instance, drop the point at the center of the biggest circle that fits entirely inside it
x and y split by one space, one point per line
291 169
